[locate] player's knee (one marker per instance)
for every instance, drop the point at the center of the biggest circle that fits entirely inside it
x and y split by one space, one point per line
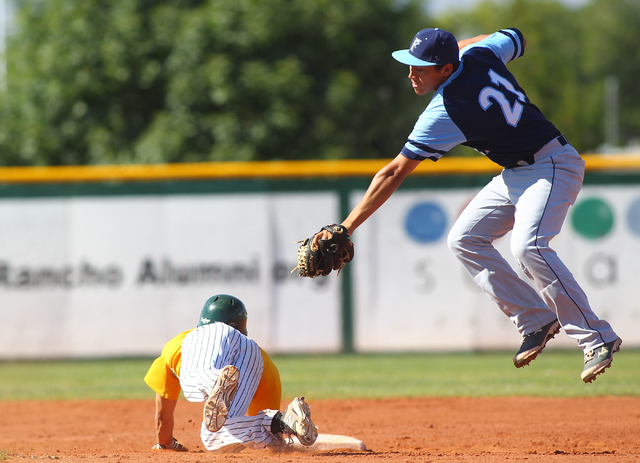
453 241
523 252
459 243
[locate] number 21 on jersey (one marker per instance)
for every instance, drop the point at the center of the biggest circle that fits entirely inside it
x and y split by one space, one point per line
512 113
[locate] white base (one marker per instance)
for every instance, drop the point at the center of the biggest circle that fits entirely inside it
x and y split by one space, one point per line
323 443
332 442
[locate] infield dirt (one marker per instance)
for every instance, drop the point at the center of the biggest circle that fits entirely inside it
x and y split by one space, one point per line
510 429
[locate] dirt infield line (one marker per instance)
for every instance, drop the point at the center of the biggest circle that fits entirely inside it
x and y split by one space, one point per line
508 429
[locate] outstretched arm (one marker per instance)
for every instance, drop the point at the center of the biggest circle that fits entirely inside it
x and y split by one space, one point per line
164 420
384 183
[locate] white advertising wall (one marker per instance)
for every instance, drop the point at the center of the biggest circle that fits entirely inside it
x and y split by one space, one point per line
119 275
412 294
111 276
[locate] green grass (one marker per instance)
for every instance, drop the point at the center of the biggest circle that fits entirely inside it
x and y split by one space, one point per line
554 374
4 455
67 380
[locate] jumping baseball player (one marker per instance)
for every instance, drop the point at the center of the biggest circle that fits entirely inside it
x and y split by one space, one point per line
478 103
216 363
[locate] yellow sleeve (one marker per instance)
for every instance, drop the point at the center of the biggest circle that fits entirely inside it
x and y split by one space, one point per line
162 376
269 392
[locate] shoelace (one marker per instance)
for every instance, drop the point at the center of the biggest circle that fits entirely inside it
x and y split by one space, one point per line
535 332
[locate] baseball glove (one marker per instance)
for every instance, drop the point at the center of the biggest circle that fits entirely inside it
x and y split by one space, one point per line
330 254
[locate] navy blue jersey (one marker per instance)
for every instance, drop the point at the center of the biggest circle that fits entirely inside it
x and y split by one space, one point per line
482 106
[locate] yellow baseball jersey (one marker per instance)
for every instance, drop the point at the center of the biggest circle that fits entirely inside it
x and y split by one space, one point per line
163 377
269 392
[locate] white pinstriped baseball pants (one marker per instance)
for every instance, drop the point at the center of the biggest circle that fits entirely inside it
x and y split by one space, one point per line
205 351
532 202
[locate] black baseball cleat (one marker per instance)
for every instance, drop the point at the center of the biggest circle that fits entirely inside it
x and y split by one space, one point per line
533 343
599 359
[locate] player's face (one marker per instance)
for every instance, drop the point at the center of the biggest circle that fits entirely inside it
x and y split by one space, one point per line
425 79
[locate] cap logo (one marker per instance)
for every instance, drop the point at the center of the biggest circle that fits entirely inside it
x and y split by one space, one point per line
429 47
205 321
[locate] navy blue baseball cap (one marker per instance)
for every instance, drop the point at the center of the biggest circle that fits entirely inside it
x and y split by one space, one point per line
430 47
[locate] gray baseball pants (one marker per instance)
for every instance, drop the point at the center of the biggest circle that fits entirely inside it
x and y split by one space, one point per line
532 202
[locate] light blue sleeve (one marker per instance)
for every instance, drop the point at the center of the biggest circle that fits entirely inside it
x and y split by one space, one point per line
507 44
433 134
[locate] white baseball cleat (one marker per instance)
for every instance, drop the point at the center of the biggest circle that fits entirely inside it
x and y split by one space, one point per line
217 405
296 420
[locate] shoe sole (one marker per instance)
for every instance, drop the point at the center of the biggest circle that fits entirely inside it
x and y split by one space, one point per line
216 407
531 355
589 376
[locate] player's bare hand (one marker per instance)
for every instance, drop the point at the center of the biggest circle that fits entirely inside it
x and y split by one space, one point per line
321 235
329 249
175 446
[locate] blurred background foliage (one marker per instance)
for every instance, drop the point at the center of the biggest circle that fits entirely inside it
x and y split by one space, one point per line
155 81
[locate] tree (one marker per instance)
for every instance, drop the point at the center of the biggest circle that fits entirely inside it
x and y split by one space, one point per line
570 52
610 37
94 81
549 70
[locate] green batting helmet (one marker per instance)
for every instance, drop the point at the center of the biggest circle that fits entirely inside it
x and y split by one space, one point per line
226 309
